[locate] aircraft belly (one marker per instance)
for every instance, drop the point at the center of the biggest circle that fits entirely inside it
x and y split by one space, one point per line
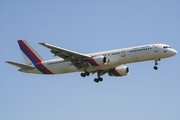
35 71
63 68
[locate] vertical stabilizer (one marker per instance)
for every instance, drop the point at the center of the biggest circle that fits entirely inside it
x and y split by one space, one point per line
30 55
26 59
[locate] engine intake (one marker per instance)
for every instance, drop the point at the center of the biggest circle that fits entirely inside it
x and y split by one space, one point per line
119 71
97 61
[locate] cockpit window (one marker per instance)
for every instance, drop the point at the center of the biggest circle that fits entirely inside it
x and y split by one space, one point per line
166 47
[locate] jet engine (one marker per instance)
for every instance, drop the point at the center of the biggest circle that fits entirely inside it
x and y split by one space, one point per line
119 71
97 61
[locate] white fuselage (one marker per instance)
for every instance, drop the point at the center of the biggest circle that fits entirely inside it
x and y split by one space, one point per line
115 58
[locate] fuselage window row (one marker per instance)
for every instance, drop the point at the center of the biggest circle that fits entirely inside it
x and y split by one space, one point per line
116 53
139 50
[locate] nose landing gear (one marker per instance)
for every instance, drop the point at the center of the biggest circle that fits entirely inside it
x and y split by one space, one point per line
156 63
155 67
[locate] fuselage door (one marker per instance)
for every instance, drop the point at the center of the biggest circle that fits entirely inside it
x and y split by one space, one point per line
155 49
123 54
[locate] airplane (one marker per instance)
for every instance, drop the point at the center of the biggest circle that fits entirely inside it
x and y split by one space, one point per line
111 62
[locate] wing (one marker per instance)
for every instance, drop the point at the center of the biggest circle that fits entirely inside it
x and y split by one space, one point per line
77 59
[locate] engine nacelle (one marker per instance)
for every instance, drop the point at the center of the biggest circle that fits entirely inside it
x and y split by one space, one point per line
119 71
97 61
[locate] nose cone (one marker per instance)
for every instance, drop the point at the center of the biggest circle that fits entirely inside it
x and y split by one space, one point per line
174 52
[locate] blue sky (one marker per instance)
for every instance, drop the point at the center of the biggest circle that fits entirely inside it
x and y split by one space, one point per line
86 27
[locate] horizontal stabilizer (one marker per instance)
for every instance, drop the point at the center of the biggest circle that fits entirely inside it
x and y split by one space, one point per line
20 65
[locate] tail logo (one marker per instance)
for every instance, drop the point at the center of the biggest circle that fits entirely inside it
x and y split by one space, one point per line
33 57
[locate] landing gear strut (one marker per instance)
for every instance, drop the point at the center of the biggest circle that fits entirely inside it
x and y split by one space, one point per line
156 63
99 79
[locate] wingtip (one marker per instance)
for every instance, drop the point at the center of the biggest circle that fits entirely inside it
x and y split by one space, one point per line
9 62
42 43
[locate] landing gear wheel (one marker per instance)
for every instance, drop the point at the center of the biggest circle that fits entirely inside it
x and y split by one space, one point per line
155 67
87 73
100 79
96 80
83 75
156 63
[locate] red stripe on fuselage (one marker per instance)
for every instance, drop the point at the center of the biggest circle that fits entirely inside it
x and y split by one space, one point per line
94 62
44 68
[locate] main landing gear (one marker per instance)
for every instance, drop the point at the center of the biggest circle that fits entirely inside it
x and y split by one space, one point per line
98 79
156 63
85 74
99 73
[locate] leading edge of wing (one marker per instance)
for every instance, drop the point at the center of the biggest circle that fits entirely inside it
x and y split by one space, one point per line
79 56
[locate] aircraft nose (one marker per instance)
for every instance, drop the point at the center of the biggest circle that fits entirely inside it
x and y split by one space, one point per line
174 52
